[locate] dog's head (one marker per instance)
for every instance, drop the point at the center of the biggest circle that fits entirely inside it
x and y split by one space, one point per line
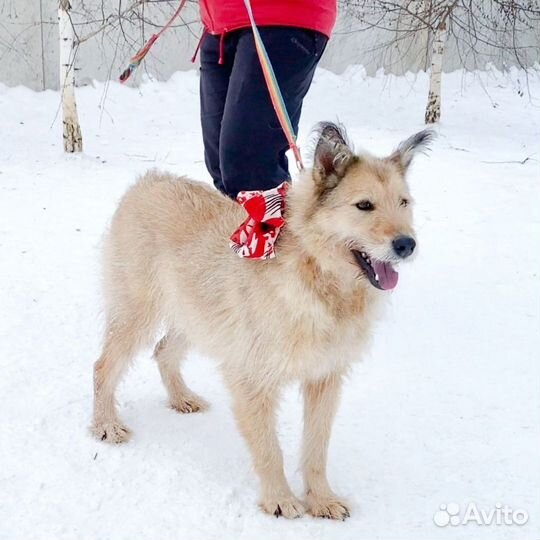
360 209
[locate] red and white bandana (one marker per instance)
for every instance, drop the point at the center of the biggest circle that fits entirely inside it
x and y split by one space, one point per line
255 238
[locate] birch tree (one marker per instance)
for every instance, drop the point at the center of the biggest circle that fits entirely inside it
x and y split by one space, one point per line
475 29
123 28
70 119
433 107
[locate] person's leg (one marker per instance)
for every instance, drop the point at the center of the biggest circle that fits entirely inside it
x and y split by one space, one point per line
252 144
214 82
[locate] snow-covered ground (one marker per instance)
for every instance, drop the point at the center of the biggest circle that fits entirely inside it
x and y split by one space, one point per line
444 409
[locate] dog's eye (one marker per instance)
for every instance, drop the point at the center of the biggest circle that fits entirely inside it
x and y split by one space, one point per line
366 206
404 202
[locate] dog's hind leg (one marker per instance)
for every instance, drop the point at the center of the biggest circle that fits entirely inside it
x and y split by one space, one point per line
124 336
169 352
320 404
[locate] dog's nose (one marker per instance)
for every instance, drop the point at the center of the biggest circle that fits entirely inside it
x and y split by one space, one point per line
404 246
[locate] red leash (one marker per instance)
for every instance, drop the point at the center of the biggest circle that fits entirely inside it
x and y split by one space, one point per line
138 58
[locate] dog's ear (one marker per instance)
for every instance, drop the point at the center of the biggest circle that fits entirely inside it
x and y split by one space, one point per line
332 156
407 149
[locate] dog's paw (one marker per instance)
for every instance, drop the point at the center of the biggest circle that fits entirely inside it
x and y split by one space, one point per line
288 507
328 508
111 432
189 404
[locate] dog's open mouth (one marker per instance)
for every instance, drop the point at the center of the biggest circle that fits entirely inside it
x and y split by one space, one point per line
380 274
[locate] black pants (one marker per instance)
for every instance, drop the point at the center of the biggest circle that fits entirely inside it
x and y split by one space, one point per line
244 145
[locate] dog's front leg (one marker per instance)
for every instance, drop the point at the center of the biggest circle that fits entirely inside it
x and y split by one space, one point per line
255 410
320 404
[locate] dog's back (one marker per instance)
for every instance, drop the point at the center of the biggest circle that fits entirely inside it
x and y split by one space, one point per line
161 223
170 210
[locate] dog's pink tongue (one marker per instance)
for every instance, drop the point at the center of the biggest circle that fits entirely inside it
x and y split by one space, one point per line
388 277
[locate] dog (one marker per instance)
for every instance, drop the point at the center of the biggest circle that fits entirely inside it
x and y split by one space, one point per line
304 316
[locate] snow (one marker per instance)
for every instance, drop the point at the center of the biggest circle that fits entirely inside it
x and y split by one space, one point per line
443 409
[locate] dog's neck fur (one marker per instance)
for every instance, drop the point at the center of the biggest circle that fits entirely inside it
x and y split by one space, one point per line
302 245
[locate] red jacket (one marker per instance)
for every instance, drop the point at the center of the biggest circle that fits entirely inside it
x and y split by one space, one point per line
221 16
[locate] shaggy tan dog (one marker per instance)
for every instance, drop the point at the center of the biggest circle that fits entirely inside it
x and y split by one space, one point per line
304 316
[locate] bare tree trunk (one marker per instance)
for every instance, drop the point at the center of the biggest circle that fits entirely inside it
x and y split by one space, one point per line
72 129
433 109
